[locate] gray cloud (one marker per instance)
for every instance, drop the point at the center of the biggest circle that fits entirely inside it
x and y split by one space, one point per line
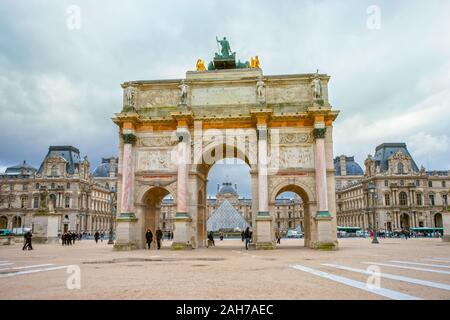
59 86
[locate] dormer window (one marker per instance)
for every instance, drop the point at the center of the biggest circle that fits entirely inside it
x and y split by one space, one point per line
54 171
400 168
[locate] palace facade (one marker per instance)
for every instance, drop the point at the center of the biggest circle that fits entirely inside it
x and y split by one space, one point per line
403 195
81 201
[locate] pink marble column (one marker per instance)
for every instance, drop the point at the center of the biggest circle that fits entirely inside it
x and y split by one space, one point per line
321 173
263 201
183 171
127 207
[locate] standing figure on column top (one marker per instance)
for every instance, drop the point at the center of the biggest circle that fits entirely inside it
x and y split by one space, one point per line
260 92
130 94
317 86
183 92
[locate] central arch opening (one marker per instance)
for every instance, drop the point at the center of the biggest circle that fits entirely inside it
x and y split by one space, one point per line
229 205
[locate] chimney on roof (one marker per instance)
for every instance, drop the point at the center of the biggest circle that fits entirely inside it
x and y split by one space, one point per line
112 167
235 187
343 165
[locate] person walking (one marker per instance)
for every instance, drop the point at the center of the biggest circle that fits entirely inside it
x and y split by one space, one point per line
96 236
211 239
27 237
248 236
159 236
277 236
221 235
74 237
102 235
149 238
243 235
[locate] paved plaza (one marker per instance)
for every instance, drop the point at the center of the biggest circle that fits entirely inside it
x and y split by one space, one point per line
409 269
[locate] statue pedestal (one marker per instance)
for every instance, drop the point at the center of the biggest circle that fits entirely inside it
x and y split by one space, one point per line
227 63
45 229
263 239
181 232
446 226
126 229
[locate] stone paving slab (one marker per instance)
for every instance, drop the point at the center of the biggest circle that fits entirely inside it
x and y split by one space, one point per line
226 271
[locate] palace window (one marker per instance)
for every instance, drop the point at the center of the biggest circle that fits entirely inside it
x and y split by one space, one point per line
431 197
67 202
403 199
402 183
68 186
419 199
37 185
430 184
23 202
53 185
386 183
400 168
417 183
54 171
443 184
387 199
445 199
25 187
36 202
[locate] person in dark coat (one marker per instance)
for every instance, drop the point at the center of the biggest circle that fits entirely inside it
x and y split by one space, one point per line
96 236
149 237
27 238
159 236
243 235
248 236
211 239
74 237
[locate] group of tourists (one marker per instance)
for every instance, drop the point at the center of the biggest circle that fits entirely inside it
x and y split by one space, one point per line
149 238
69 237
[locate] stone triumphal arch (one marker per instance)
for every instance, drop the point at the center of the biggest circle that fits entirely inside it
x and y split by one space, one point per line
173 131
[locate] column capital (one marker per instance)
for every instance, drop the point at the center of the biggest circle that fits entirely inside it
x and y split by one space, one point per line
129 138
183 136
319 133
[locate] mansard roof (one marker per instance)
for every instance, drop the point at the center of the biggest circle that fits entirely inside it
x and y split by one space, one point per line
20 169
69 153
386 150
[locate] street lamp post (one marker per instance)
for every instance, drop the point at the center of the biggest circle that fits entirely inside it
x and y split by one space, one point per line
374 226
363 227
113 216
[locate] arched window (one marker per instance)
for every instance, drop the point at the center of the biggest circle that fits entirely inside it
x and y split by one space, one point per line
54 171
17 222
400 168
403 199
3 222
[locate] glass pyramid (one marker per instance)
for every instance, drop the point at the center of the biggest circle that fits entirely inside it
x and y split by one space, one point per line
226 217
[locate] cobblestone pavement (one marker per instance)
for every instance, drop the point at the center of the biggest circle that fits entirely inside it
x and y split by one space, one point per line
406 269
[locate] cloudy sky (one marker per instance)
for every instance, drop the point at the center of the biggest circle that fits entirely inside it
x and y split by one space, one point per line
60 85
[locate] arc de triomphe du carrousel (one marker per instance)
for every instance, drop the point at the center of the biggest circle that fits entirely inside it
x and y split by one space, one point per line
173 131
